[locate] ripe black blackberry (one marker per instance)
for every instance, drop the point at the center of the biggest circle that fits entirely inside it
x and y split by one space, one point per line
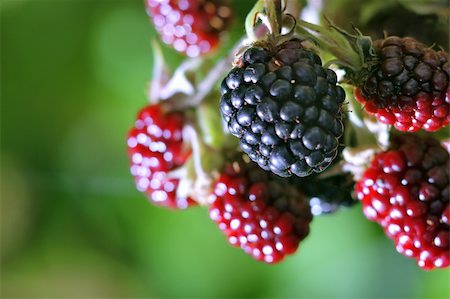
285 108
327 195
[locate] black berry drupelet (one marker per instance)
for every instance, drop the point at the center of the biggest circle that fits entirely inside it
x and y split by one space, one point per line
327 195
285 108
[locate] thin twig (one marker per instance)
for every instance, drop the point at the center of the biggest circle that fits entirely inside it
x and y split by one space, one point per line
214 75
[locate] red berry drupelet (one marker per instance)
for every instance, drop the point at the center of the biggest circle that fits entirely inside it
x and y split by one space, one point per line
192 27
406 190
285 108
259 212
155 147
399 80
409 87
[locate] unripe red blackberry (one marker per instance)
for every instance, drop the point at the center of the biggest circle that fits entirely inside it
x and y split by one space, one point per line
409 85
406 190
155 147
399 80
190 26
259 212
285 108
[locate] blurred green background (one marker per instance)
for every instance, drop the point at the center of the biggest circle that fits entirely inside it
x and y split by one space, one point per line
73 75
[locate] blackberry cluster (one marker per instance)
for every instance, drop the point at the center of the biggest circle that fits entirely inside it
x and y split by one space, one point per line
409 85
285 108
258 212
406 190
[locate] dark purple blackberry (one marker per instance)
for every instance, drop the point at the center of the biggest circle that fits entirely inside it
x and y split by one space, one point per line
285 108
327 195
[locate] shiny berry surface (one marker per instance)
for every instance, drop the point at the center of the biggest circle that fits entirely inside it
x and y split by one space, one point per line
285 108
406 191
192 27
258 213
409 87
424 111
155 147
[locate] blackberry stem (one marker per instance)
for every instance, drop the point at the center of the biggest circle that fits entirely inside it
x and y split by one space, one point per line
271 14
250 20
275 16
181 82
204 87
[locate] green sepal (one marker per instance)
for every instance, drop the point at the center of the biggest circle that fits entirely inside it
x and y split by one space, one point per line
353 52
250 20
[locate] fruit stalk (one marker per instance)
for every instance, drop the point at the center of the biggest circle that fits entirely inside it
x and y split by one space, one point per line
204 87
251 18
274 15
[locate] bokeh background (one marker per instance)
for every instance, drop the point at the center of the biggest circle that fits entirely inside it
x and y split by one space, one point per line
73 75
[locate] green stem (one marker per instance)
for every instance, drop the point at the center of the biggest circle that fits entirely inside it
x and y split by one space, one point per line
272 18
250 20
204 87
274 13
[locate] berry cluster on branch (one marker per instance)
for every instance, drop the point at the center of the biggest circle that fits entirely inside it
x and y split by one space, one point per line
269 136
